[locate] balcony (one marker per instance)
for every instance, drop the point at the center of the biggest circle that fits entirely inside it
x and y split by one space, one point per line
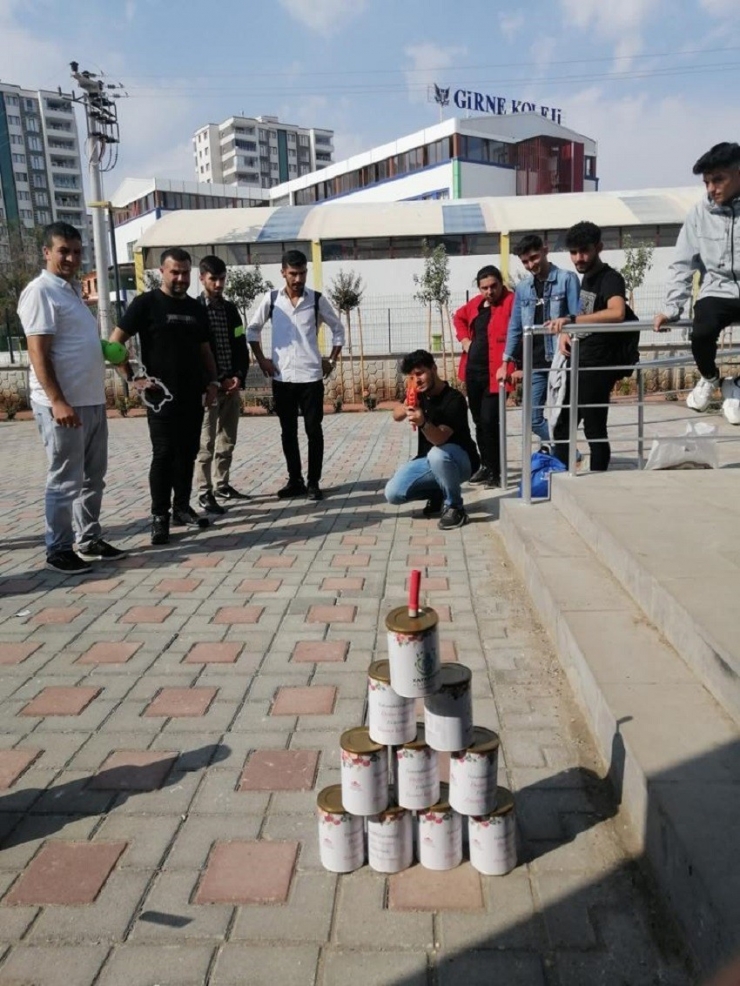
66 181
64 164
58 106
59 126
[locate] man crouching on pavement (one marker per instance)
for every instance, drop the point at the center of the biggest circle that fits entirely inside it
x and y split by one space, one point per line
446 455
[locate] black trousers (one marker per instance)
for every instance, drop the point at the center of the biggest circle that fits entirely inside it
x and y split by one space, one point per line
175 437
308 398
711 316
484 409
594 387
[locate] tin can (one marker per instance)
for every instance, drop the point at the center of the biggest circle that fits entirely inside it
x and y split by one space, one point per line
391 718
474 774
413 652
417 769
390 840
364 773
492 837
341 835
448 714
440 835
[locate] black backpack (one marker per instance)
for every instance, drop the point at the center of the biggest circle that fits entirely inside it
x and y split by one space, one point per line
316 300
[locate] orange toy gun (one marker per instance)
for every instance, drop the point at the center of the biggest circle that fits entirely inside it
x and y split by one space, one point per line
412 395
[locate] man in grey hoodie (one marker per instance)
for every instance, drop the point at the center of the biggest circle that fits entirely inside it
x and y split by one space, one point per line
710 243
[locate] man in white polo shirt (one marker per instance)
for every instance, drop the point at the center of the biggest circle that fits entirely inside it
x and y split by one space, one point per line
297 368
67 382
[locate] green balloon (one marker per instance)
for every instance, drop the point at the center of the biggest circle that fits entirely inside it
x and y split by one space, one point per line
113 352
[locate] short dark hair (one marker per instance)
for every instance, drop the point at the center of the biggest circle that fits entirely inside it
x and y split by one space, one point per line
419 357
294 258
488 271
212 265
62 231
177 254
583 234
724 155
528 243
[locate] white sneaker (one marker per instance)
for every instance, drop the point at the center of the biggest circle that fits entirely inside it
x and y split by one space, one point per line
731 403
701 395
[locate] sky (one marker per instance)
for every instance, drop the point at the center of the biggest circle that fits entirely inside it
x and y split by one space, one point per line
654 82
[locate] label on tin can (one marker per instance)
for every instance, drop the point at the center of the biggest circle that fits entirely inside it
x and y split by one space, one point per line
417 777
440 839
341 841
365 782
390 841
473 781
492 842
391 718
414 662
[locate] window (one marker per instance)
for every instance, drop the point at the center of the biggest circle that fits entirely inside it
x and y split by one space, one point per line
11 100
14 120
589 167
39 181
34 144
16 139
266 253
25 213
41 198
291 138
23 196
303 141
18 158
28 104
667 235
377 248
21 176
32 124
482 243
38 162
43 216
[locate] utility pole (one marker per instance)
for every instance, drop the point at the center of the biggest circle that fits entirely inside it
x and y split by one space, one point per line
102 154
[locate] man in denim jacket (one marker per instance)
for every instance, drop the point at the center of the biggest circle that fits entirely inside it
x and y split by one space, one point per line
549 293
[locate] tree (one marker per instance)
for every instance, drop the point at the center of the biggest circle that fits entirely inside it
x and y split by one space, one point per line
21 259
243 286
434 291
345 293
637 262
152 280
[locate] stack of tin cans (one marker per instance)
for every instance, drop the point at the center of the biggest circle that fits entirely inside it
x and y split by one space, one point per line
391 798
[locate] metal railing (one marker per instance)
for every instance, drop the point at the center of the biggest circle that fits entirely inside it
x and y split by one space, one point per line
576 333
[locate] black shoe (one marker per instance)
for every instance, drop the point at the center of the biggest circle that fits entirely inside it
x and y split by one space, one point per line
207 500
481 476
294 487
229 493
493 482
452 517
100 550
160 529
433 506
67 562
187 517
314 492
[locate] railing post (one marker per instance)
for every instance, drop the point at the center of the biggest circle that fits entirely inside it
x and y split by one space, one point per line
640 418
575 354
502 457
527 347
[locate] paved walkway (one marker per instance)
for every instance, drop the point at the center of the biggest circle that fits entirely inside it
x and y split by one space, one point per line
166 725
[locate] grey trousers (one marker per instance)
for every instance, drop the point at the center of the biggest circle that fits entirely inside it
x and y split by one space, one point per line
217 441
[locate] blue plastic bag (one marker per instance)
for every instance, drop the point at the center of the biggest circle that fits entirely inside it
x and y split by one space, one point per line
542 465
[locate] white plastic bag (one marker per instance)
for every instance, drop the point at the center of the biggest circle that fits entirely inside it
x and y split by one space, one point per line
696 449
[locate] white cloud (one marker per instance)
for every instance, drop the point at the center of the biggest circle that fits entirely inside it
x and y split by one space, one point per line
427 61
324 16
511 25
620 23
129 10
719 8
24 54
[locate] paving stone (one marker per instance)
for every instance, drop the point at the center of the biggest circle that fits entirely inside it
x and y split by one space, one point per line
420 889
148 838
213 653
332 614
275 561
351 583
163 965
109 652
484 968
175 702
168 913
16 653
320 650
362 895
376 968
53 615
49 965
239 614
291 966
13 763
61 701
248 872
66 873
97 586
132 770
177 585
280 770
259 585
310 701
146 614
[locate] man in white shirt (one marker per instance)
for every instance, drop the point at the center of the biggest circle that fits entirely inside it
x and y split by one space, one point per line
297 368
67 382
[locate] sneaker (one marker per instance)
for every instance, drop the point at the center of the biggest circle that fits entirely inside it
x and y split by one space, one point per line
433 506
701 395
160 529
731 402
67 562
451 518
229 493
100 550
314 492
187 517
207 500
294 487
483 474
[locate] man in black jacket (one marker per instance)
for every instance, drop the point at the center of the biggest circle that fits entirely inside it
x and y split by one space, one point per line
221 422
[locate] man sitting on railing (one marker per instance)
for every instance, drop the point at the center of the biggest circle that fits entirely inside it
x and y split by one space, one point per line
603 301
710 242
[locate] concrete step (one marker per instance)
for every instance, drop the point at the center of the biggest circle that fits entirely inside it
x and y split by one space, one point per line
672 540
672 752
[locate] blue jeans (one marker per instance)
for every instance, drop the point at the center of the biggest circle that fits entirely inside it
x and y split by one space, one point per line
78 459
539 395
445 468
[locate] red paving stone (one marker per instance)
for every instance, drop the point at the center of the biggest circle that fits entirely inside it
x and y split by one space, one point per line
13 763
177 702
350 561
108 652
97 586
133 770
444 613
320 650
434 584
362 540
239 614
177 585
18 587
426 561
280 770
316 700
146 614
448 650
420 889
259 585
53 614
427 540
16 653
275 561
248 873
331 614
213 653
202 561
66 873
58 700
351 583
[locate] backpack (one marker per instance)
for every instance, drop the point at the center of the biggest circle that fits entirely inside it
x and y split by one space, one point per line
316 300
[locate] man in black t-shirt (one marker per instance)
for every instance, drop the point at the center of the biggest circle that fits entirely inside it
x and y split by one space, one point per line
177 379
446 455
603 300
